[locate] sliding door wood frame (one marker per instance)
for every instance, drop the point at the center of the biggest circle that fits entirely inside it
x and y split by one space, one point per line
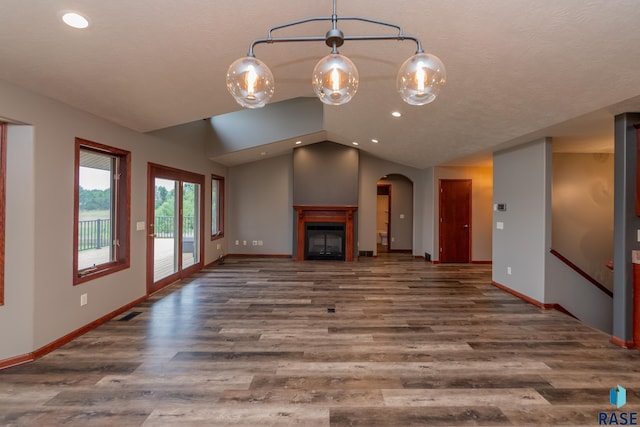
159 171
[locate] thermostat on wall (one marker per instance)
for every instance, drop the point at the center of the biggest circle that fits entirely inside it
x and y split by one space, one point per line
500 207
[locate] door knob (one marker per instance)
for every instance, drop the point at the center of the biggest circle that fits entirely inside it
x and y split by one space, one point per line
466 226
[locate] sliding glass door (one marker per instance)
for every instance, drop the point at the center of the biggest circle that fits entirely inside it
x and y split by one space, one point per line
174 215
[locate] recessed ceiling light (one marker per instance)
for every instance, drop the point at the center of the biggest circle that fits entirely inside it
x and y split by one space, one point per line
375 141
396 114
355 143
298 142
75 20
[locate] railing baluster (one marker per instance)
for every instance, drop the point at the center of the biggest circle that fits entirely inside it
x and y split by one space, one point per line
98 232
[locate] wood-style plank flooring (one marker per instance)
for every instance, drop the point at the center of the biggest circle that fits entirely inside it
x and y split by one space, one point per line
390 341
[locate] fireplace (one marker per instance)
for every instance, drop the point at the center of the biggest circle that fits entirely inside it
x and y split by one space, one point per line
325 232
324 241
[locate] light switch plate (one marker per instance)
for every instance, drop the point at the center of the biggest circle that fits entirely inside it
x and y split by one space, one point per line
500 225
140 225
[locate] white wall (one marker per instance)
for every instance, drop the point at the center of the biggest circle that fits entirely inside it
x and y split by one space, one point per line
46 202
481 207
522 180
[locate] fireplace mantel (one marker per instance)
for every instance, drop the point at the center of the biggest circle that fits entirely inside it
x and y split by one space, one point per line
343 214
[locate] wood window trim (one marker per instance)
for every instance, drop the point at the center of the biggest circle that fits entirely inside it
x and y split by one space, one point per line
220 212
123 232
3 187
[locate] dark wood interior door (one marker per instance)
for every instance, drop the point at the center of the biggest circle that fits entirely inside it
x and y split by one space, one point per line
455 220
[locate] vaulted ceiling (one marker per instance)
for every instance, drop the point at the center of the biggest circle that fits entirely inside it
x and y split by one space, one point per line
517 69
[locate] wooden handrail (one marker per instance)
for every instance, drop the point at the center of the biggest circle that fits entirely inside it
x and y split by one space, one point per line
581 272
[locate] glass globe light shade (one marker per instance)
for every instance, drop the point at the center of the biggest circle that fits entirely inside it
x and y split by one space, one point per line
250 82
420 79
335 79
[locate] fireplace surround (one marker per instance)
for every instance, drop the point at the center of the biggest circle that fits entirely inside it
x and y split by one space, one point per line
330 218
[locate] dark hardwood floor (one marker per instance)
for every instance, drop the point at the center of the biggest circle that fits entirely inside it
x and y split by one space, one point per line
390 341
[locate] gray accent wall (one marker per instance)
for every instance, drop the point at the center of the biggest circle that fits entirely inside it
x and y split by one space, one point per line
522 180
325 174
260 207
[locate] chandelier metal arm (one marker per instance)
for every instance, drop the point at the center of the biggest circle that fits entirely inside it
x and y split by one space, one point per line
335 19
298 22
335 77
283 40
334 36
270 40
371 21
400 37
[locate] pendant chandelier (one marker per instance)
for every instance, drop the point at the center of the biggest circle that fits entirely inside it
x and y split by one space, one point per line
335 77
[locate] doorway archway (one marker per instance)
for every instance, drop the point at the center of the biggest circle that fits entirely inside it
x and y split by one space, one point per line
394 214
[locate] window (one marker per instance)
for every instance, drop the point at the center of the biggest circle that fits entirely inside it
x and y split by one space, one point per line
102 200
3 174
217 207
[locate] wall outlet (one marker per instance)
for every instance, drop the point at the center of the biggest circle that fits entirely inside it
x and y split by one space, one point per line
509 271
83 300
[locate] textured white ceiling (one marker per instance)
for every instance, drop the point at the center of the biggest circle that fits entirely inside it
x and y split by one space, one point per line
515 67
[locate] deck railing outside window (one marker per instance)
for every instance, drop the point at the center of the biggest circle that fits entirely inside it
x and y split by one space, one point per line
96 233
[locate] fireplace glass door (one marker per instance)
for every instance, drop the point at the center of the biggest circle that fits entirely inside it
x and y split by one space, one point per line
325 241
